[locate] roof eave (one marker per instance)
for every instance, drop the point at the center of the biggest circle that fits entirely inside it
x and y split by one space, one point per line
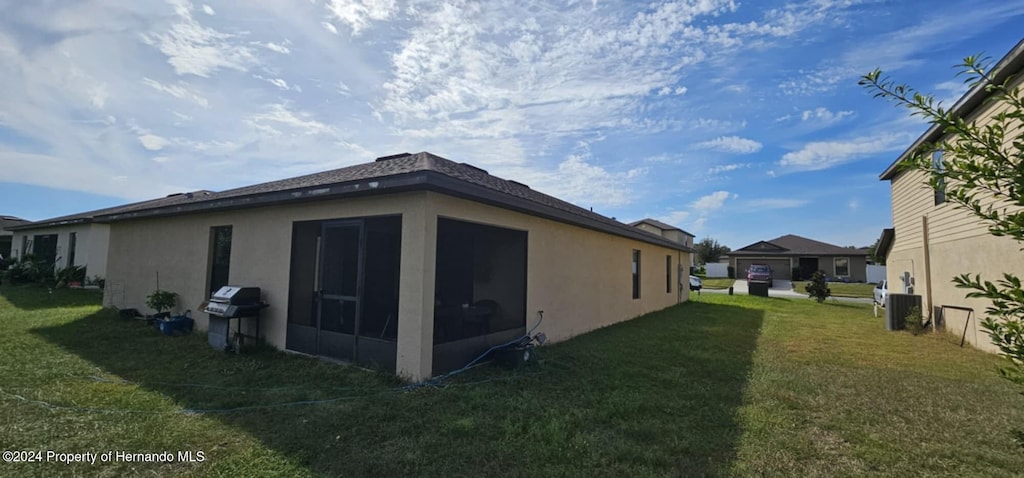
885 242
1007 66
386 184
46 224
419 180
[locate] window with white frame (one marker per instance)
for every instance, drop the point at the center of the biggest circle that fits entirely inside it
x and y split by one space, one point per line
842 265
940 184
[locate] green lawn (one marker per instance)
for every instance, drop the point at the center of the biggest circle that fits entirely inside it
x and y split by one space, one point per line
718 283
724 385
842 289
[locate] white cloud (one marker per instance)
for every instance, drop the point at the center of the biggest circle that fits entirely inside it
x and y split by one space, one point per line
153 142
817 80
712 202
280 83
826 154
178 91
279 115
193 49
278 47
731 144
724 168
822 115
358 14
506 85
674 217
668 90
329 27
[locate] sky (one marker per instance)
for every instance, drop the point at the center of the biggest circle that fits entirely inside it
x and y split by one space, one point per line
740 121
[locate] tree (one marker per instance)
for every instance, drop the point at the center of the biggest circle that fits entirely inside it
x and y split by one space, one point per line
873 253
817 287
978 162
710 251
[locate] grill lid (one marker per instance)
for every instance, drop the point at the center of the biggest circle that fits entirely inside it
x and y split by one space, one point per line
236 295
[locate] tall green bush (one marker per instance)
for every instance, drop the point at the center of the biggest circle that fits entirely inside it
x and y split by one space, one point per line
817 288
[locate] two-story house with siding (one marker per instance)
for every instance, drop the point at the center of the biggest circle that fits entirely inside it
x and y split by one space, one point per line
933 240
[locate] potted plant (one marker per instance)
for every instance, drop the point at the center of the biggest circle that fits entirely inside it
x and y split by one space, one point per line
161 301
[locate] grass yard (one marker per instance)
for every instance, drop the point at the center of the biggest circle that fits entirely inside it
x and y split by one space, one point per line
723 386
718 283
842 289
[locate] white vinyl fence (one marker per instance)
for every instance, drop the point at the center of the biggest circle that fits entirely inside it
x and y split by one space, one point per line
875 273
719 269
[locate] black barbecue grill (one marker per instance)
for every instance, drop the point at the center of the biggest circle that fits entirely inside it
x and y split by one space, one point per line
232 302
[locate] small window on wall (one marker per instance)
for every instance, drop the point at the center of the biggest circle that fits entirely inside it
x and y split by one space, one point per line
72 242
636 274
668 274
940 185
220 256
842 267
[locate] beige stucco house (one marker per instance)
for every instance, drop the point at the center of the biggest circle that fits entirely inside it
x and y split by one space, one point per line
788 253
7 237
73 240
933 240
63 242
412 263
667 231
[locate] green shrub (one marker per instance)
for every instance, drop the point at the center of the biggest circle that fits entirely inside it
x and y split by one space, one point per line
817 288
161 300
731 272
28 269
914 320
64 277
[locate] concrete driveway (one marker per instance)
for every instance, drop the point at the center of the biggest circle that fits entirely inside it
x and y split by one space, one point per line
781 288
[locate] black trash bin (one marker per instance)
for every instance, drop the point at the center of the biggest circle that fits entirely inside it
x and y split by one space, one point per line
757 288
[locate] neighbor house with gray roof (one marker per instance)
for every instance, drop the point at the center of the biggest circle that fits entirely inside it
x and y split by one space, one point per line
74 239
7 237
791 254
412 263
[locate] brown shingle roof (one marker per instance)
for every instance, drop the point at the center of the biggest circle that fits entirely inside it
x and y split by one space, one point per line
660 225
9 221
792 244
392 174
88 216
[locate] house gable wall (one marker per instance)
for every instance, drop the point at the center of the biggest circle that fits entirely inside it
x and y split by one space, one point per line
956 242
